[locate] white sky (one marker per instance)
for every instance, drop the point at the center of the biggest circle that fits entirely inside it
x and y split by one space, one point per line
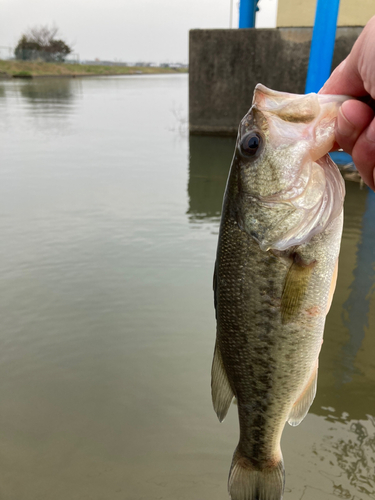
125 30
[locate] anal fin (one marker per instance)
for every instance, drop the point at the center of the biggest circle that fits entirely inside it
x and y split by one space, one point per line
222 394
303 403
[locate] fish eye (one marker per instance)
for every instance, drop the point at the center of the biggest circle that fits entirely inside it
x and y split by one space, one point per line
250 144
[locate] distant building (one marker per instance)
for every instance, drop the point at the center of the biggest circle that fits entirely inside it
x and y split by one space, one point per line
176 65
98 62
291 13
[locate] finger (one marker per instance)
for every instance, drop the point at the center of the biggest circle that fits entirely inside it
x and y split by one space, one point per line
354 75
363 154
352 119
345 80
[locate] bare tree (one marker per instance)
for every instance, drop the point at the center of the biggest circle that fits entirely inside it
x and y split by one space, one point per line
40 43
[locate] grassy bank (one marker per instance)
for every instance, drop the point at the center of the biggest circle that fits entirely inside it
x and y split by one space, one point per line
36 68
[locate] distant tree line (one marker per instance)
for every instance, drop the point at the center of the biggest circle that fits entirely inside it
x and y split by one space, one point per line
41 43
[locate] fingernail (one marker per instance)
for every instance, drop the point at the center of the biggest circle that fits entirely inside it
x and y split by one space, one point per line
370 132
344 126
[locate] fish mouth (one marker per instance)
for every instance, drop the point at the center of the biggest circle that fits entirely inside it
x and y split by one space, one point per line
305 123
314 189
309 116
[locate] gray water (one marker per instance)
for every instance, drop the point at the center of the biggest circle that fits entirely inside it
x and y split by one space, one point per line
109 220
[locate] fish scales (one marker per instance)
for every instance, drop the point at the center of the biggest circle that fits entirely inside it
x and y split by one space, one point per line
274 275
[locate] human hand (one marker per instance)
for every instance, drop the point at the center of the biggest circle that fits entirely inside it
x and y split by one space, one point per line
355 127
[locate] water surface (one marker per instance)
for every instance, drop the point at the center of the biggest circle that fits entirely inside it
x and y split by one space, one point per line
109 220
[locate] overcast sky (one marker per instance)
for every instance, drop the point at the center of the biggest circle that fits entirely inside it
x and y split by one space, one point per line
126 30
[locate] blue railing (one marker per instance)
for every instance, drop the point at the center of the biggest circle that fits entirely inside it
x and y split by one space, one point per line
322 44
248 9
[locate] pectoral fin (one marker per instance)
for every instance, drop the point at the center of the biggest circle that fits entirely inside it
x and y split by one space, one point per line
303 403
295 286
222 393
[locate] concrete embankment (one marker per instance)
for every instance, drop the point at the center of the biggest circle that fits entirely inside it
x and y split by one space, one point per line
225 66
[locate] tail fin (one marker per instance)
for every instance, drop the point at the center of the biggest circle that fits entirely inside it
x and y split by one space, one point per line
248 483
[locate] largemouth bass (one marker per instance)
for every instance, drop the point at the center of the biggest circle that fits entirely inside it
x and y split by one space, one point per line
275 275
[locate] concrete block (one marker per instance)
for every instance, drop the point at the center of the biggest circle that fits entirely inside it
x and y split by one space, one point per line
226 64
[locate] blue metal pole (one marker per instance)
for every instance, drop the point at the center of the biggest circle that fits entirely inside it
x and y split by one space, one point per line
322 44
247 13
362 289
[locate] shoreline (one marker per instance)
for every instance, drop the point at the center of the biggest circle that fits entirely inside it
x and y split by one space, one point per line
39 69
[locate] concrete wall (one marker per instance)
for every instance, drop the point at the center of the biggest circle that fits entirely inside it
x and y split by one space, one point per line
225 66
302 12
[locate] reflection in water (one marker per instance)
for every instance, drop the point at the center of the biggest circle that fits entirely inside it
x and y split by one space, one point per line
107 314
49 93
356 307
210 159
339 455
339 449
348 454
346 374
49 103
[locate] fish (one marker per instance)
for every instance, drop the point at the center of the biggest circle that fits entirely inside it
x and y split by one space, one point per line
274 278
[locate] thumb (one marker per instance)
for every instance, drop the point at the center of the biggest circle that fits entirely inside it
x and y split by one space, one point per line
345 79
355 133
